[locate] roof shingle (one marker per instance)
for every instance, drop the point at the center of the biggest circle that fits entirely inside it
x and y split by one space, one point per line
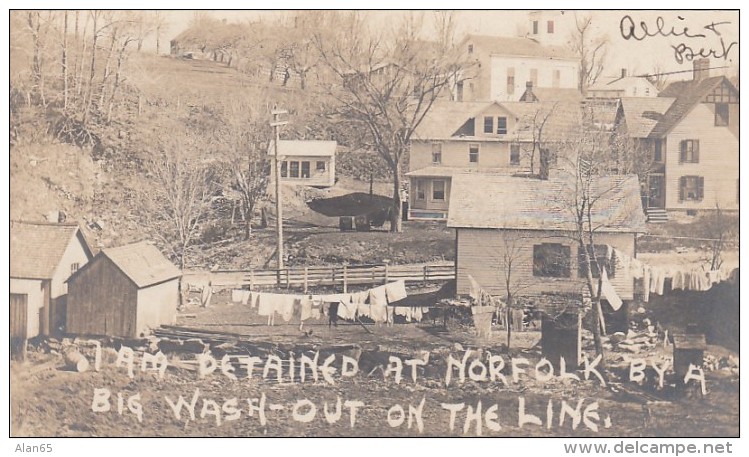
496 201
313 148
142 263
36 248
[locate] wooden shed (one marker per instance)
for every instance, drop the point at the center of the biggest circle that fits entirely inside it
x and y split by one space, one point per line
123 291
42 256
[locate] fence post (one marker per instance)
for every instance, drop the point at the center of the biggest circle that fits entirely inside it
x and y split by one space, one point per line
387 273
345 278
306 279
424 282
288 278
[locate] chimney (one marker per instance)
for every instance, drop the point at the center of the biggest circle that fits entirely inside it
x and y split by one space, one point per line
528 95
701 69
624 72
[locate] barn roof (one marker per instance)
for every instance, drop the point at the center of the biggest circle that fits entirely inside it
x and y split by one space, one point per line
643 113
517 46
304 148
688 94
36 248
496 201
142 263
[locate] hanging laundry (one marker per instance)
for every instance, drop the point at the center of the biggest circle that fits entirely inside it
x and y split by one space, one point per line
305 308
287 307
677 280
265 305
474 289
636 269
396 291
236 295
608 292
246 295
645 283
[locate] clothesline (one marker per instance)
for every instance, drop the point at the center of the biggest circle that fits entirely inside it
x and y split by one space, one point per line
372 303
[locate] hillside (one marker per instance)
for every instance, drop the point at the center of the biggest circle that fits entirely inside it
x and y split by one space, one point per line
171 98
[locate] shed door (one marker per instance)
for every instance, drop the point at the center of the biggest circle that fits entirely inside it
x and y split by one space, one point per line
19 315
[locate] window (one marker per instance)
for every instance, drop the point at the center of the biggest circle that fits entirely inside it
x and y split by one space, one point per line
459 90
284 169
601 254
420 194
438 190
510 81
551 260
658 155
555 78
488 124
305 170
690 151
647 91
320 166
691 188
74 267
473 153
535 27
550 27
470 49
634 92
502 125
437 153
514 154
534 77
721 114
294 169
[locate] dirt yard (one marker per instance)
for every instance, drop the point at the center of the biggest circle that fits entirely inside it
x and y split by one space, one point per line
48 400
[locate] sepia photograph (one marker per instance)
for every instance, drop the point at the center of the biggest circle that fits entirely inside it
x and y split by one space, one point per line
375 224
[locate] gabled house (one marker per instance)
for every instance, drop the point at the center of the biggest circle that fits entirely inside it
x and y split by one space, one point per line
479 137
42 257
526 227
123 291
615 87
503 65
692 132
306 162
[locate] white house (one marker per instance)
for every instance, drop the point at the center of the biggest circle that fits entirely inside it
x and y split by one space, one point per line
306 162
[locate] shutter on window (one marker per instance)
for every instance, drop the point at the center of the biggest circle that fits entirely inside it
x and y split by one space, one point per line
700 187
682 151
682 187
696 153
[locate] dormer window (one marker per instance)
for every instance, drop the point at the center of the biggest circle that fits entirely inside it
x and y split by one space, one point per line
488 124
502 125
535 27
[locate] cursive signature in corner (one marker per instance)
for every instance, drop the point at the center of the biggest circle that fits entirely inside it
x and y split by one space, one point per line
639 31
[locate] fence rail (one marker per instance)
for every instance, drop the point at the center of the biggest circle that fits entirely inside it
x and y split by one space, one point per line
306 277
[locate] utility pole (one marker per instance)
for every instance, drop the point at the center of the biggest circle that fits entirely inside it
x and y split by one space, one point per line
279 207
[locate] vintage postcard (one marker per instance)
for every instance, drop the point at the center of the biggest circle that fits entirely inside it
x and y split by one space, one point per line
308 223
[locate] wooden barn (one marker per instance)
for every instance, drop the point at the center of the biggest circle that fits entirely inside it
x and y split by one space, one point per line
526 226
123 291
42 257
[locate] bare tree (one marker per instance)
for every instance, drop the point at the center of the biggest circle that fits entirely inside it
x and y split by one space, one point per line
388 87
658 77
591 51
178 196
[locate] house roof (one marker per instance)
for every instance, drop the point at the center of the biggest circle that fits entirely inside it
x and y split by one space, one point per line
447 172
518 46
620 83
687 94
561 118
446 117
556 94
36 248
303 148
142 263
496 201
643 113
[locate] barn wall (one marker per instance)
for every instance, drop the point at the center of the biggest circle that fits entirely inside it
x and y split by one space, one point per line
74 253
102 301
481 254
33 289
157 305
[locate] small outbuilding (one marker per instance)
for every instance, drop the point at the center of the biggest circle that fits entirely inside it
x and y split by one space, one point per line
123 291
308 163
42 257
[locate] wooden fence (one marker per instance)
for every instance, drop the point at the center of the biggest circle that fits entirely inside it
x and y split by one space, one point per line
306 277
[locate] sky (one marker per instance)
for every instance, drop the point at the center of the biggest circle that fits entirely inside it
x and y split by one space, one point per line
637 56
